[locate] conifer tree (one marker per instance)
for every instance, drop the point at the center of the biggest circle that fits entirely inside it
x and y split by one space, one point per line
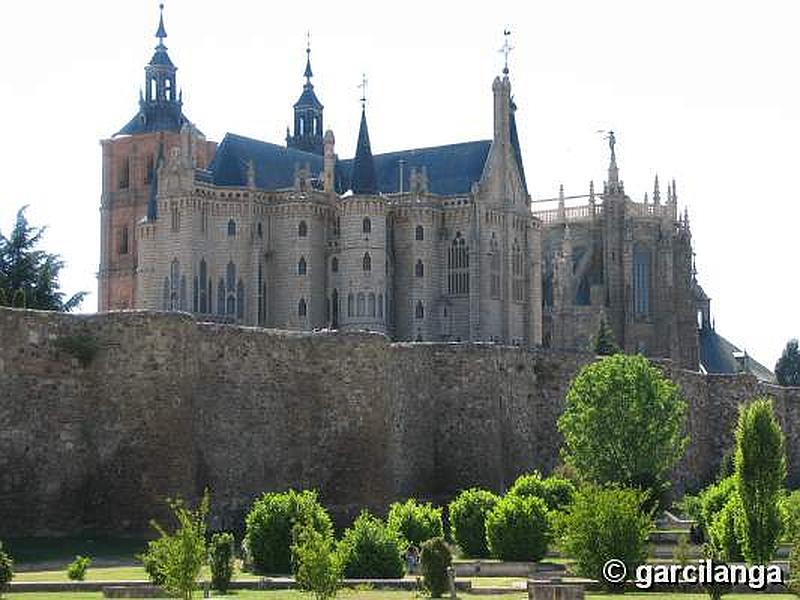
787 369
604 342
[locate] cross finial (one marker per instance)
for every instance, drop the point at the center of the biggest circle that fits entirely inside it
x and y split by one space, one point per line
363 86
308 42
506 49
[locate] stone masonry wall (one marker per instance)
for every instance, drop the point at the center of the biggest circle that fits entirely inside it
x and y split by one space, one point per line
168 406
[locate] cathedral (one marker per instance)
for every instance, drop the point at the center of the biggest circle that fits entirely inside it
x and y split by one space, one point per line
428 244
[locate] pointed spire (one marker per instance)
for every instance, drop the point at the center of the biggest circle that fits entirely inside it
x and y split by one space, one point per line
645 197
161 33
308 73
674 192
656 192
591 191
561 209
363 180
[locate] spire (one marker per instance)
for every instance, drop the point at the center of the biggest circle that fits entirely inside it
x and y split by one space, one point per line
656 192
613 172
308 73
645 197
308 122
363 180
161 33
674 192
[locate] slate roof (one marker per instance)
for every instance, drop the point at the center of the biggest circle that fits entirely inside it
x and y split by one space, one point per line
308 98
161 116
717 356
363 180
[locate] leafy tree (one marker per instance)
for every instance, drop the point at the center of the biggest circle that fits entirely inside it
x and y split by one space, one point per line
270 523
790 515
794 568
787 369
6 569
556 491
28 275
220 559
369 549
318 567
604 523
760 473
436 559
76 570
712 500
724 531
181 554
468 520
604 342
624 423
415 521
517 528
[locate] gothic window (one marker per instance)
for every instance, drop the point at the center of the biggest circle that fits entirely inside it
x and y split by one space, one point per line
123 240
349 305
367 262
195 294
230 276
175 222
230 291
335 265
302 229
301 266
360 305
262 296
380 306
366 225
302 308
231 228
203 304
182 294
221 297
165 295
124 178
419 311
173 298
517 273
494 268
419 269
240 300
371 305
148 170
210 296
419 235
641 280
458 266
204 218
260 230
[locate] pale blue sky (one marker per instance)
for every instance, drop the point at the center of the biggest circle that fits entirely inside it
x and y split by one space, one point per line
706 92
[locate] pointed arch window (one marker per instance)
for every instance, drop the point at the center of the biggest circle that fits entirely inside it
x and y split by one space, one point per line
517 272
367 262
301 266
350 305
361 305
641 280
221 297
371 304
231 228
302 308
334 265
494 267
203 305
419 310
240 300
302 229
458 266
419 269
419 234
380 306
366 225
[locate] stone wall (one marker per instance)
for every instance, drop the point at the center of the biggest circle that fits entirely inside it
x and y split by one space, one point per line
168 406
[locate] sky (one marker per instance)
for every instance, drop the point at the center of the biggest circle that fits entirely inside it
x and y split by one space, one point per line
705 92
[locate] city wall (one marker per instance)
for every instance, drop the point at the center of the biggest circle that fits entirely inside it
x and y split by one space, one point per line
102 417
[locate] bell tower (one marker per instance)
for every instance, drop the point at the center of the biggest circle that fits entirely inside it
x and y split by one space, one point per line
308 124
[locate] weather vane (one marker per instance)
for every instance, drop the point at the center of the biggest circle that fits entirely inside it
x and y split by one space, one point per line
308 42
363 86
506 49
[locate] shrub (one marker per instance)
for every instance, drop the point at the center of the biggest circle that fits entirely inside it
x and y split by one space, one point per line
760 464
468 520
180 556
153 557
76 570
414 521
624 423
436 559
712 500
790 515
370 549
604 523
556 491
318 567
269 527
220 560
6 569
517 528
794 568
724 531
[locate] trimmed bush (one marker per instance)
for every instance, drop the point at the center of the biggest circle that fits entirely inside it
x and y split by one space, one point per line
318 568
724 532
517 529
790 515
436 558
220 560
269 527
556 492
6 569
153 557
605 523
370 549
712 500
414 521
76 570
468 520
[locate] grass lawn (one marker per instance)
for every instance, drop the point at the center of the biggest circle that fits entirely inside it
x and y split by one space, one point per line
132 573
44 550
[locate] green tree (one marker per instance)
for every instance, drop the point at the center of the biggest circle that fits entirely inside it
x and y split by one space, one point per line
556 491
468 520
220 559
436 559
624 423
318 567
760 464
181 554
790 515
604 523
723 531
787 369
6 569
415 521
30 275
604 342
517 528
371 550
76 570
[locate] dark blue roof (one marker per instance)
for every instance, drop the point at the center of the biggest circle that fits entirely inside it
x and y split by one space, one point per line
362 178
155 116
308 98
274 165
161 58
451 169
717 356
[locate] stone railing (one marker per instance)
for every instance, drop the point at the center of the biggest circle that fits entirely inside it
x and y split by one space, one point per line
571 213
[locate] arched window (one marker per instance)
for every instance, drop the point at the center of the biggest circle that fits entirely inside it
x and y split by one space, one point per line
419 235
175 218
203 306
230 276
302 229
221 297
419 311
366 225
517 272
494 268
360 305
458 266
349 305
302 308
231 228
175 302
380 306
259 230
367 262
419 269
301 266
334 265
641 280
230 284
165 295
240 300
371 305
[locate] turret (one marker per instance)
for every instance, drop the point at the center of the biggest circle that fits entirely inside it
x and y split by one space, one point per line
308 124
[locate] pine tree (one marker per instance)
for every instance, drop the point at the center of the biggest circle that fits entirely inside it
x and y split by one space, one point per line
787 369
604 342
28 275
